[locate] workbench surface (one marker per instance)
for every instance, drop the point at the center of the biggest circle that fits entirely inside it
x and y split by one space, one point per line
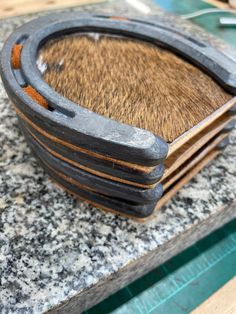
63 255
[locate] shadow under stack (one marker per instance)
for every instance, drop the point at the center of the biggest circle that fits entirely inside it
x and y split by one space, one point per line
120 112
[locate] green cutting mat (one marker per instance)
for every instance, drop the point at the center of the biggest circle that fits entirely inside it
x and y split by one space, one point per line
182 283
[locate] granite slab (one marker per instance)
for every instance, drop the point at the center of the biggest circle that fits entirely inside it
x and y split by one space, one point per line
60 255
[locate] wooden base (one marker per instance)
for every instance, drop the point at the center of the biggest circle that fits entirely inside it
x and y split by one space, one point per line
18 7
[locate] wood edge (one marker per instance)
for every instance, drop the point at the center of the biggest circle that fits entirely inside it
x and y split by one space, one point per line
186 136
197 145
222 301
13 8
171 179
218 4
166 197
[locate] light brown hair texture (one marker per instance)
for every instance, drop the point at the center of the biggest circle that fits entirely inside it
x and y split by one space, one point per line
133 82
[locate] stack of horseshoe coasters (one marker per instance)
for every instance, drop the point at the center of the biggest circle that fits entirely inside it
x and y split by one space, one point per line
120 112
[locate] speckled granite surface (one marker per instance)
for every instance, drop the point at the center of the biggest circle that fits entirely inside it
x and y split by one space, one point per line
63 256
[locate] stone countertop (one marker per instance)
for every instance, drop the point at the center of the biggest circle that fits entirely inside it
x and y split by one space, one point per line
61 255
